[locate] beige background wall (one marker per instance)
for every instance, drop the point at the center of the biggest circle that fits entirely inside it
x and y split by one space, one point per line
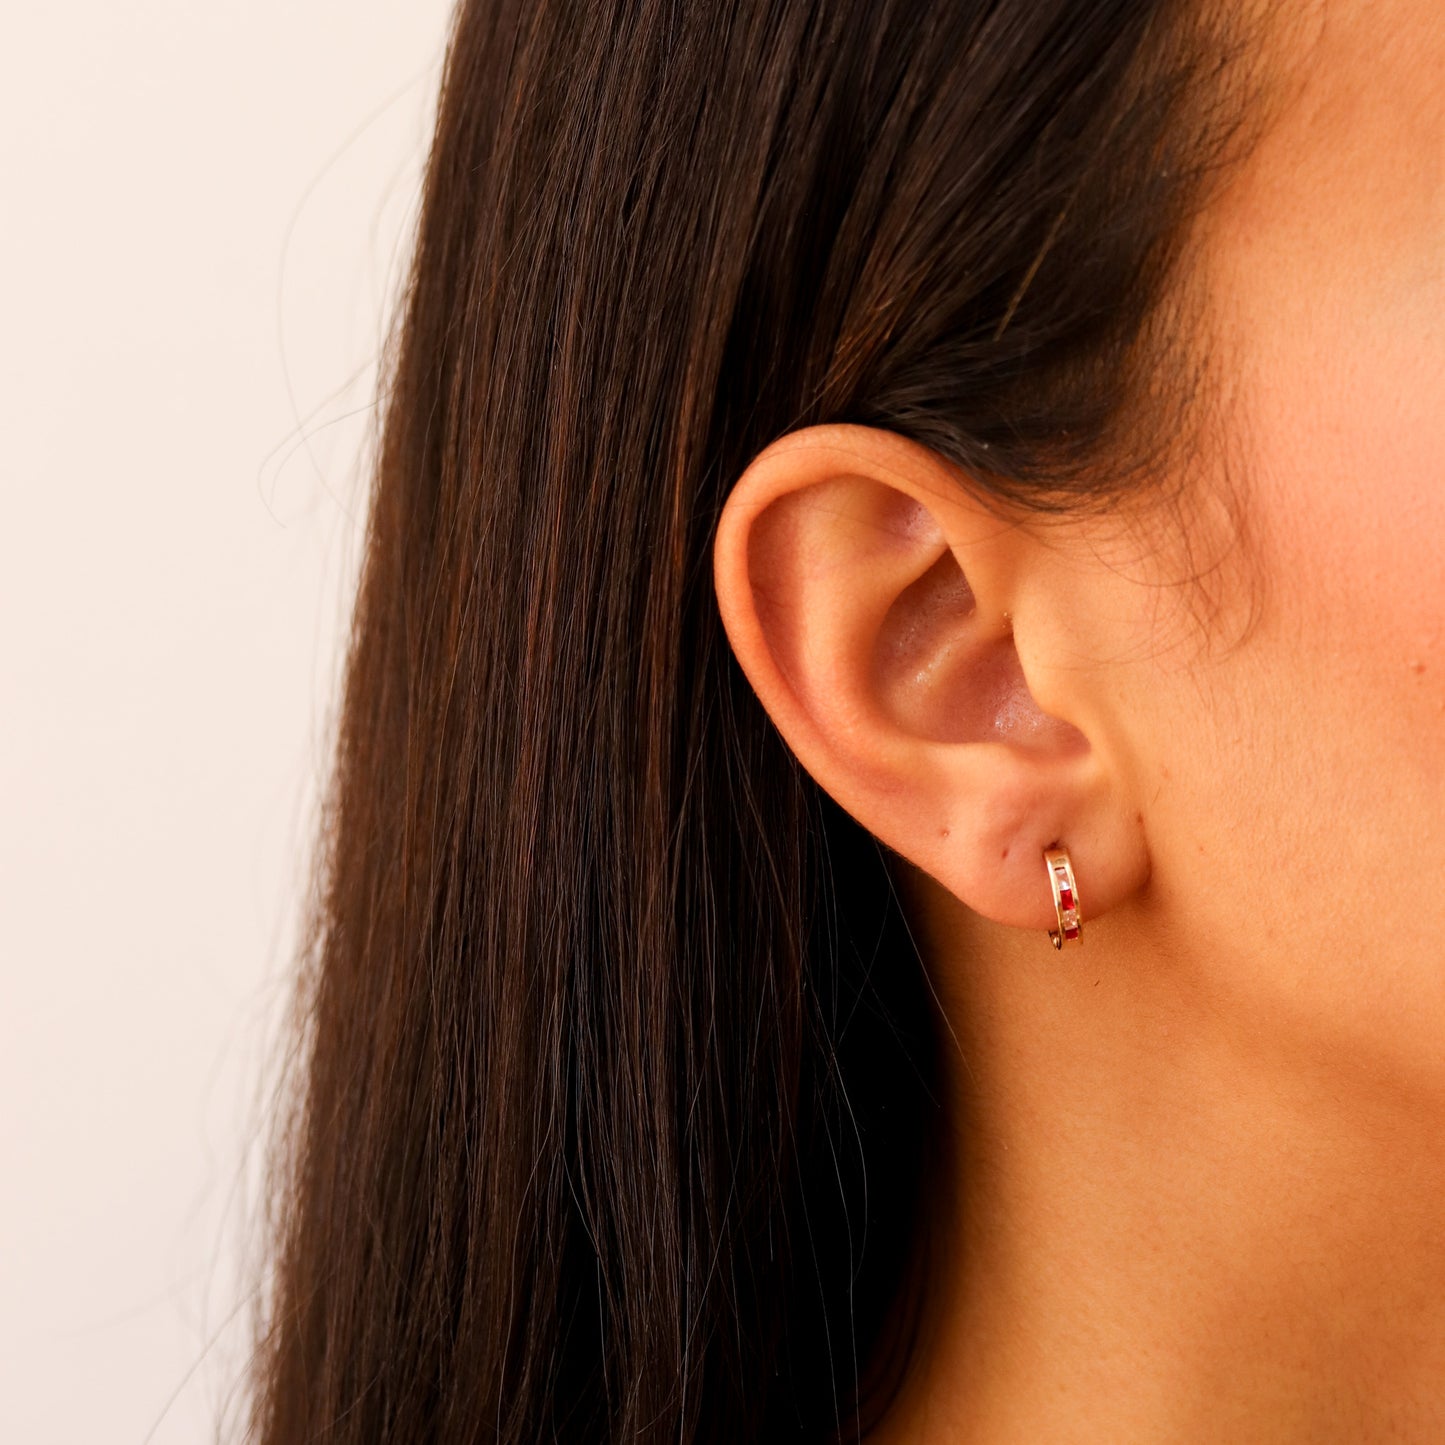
201 207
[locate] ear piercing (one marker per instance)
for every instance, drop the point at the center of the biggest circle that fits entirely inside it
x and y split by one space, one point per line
1066 897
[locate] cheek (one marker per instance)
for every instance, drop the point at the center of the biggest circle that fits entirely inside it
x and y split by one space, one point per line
1348 485
1326 266
1299 794
1295 787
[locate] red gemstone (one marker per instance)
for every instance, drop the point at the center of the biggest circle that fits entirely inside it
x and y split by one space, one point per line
1071 932
1066 898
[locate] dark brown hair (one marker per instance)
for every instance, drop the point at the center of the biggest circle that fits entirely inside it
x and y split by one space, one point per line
616 1066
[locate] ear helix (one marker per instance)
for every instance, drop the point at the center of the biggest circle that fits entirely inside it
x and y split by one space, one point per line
1066 897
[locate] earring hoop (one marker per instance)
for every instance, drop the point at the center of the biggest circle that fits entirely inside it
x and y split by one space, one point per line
1066 897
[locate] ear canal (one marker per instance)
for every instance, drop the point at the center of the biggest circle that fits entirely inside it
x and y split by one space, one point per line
947 676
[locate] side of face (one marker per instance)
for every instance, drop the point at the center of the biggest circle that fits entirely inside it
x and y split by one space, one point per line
1253 794
1298 822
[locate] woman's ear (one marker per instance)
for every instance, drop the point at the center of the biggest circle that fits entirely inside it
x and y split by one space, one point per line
902 637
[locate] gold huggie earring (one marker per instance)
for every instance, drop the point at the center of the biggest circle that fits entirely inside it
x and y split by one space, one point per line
1066 897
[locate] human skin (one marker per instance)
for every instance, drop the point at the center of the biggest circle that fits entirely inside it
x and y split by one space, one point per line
1194 1182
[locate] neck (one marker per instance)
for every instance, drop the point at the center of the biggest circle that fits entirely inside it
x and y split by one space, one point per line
1158 1219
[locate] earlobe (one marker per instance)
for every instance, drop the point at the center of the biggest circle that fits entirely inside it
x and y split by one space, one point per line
872 602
